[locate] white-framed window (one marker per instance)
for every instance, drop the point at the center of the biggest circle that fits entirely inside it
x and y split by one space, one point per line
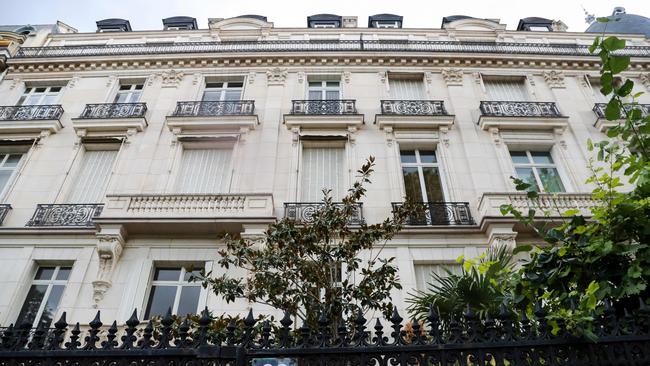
9 163
424 273
406 89
44 295
538 169
323 167
204 170
171 288
325 24
386 24
128 93
42 95
421 174
92 177
324 90
538 28
514 90
223 91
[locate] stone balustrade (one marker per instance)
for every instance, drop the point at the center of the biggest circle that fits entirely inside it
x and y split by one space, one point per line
555 204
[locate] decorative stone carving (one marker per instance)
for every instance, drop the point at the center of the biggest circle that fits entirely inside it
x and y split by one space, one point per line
444 135
352 134
531 83
295 135
477 77
346 77
171 78
301 77
151 79
383 76
111 81
554 79
14 83
503 239
390 136
559 137
251 77
559 26
197 78
645 80
453 76
73 82
496 136
109 249
276 76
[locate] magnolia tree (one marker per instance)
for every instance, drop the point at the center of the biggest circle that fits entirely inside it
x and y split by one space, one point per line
323 266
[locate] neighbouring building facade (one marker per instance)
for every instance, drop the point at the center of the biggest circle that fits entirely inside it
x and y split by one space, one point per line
124 154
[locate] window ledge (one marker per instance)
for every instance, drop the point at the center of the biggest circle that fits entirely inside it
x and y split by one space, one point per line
414 121
119 125
328 121
212 123
32 127
523 123
603 124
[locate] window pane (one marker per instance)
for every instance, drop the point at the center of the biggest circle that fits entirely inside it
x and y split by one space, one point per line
12 160
541 157
138 87
44 273
233 94
135 97
332 95
39 90
55 89
412 184
64 273
235 84
211 96
167 274
4 178
32 304
550 180
315 95
315 84
49 99
189 274
33 100
161 299
427 156
189 301
125 87
52 305
213 85
526 174
519 157
432 182
332 84
407 156
120 98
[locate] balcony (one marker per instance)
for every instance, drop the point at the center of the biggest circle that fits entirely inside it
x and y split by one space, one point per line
303 212
105 117
65 215
440 214
413 114
602 124
335 113
521 116
187 213
213 116
4 210
30 119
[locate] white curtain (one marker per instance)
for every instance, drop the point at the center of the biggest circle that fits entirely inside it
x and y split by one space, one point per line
322 167
423 273
406 89
204 171
506 90
92 177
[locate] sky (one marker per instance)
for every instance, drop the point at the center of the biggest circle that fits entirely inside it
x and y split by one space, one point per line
147 14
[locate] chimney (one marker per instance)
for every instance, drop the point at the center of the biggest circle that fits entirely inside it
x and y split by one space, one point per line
349 22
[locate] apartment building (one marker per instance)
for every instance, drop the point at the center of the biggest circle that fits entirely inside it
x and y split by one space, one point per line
125 153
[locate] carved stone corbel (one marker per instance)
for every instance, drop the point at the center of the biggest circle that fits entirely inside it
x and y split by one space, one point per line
390 136
645 80
559 137
151 79
109 248
453 76
295 135
383 76
171 78
554 79
14 83
251 77
301 77
496 136
504 239
444 135
111 81
73 82
276 76
352 134
346 77
428 77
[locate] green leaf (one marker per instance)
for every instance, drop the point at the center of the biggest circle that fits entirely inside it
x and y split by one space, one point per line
618 63
613 110
602 19
626 89
594 45
613 43
606 80
521 249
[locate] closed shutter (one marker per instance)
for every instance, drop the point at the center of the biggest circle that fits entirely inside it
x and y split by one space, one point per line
423 273
506 90
204 171
322 168
91 181
406 89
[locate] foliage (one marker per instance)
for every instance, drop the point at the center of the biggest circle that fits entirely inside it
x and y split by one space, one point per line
296 266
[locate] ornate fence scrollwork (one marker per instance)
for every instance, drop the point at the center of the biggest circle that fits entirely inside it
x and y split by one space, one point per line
440 213
413 107
599 109
114 110
65 215
519 109
304 211
324 107
214 108
30 112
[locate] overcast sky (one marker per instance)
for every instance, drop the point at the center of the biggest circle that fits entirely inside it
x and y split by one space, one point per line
147 14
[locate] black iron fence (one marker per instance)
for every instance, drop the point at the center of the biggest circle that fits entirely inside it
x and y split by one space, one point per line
519 109
214 108
360 45
440 213
599 109
413 107
325 107
65 215
461 341
30 112
305 211
114 110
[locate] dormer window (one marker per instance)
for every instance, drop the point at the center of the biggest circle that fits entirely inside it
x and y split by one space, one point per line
385 21
535 24
113 25
179 23
325 25
324 21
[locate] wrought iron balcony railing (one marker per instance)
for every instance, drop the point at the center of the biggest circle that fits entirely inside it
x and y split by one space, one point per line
213 108
4 210
114 110
30 112
304 211
413 107
357 45
65 215
440 213
324 107
599 109
519 109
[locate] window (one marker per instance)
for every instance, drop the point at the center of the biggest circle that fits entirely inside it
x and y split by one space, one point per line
40 95
538 28
506 90
92 178
44 296
8 165
325 24
406 89
421 174
537 169
322 168
223 91
171 288
204 171
129 93
424 273
324 90
386 24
